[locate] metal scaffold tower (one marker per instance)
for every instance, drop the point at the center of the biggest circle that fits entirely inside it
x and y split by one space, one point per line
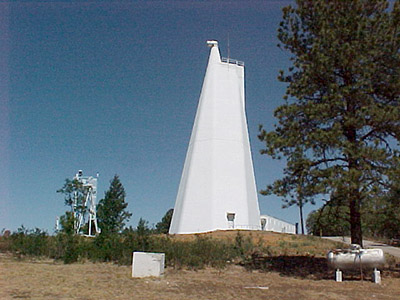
84 205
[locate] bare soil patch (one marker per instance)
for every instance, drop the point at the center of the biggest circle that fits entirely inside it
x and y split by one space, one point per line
46 279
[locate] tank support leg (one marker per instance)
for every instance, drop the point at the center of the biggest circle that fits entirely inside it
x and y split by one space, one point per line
339 276
376 276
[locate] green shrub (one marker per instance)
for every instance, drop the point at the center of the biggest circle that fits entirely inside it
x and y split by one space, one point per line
197 253
29 242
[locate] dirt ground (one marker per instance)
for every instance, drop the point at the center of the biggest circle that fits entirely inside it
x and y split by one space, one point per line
46 279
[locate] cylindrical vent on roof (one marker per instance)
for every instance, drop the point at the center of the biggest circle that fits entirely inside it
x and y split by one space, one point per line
212 43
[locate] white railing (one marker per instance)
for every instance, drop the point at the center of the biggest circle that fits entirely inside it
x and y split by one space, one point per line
232 61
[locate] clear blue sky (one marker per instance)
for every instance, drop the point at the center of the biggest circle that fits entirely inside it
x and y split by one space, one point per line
112 87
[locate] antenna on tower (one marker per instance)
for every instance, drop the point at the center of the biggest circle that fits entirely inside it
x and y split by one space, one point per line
229 49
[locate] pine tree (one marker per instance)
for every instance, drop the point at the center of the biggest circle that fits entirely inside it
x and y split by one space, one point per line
111 211
340 124
165 223
74 197
330 220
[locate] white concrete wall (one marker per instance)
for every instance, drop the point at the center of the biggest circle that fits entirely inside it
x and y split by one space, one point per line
145 264
276 225
218 176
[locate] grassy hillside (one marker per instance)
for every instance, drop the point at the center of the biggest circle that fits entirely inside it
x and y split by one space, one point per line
271 243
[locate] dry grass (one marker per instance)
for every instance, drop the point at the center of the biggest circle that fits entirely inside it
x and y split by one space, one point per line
277 243
45 279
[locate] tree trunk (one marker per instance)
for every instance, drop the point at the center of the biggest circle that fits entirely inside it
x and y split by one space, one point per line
301 218
355 221
353 192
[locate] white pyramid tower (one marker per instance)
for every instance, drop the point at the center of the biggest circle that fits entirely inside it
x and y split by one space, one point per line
217 188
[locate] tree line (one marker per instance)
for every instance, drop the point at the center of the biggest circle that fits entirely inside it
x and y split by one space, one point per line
380 218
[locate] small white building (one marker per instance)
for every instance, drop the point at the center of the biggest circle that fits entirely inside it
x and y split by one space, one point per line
269 223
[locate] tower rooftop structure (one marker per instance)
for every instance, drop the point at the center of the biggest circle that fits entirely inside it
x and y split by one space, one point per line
217 188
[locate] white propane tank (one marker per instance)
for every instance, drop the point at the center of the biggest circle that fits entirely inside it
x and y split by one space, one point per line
356 258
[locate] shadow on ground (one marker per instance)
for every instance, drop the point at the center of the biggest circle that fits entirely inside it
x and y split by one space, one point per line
294 266
307 267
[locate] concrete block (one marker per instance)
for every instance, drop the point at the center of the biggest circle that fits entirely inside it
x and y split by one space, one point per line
146 264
